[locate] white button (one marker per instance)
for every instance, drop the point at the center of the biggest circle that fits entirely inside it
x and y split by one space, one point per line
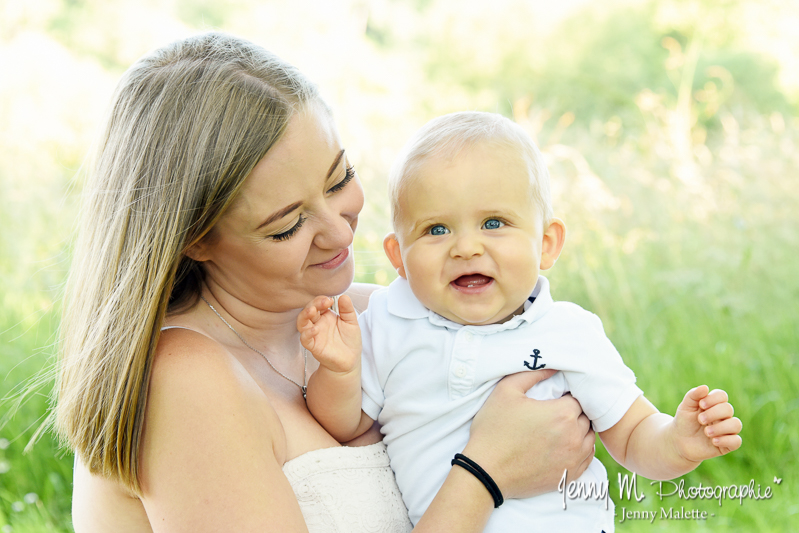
460 371
468 336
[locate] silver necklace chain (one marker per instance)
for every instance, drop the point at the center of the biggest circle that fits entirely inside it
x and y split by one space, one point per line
303 388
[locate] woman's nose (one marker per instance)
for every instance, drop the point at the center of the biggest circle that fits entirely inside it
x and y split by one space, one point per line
340 219
335 232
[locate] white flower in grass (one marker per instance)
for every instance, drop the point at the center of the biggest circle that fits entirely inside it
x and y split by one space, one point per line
5 466
31 498
17 507
3 445
6 529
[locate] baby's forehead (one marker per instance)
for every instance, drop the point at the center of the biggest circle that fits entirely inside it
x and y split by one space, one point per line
489 183
501 159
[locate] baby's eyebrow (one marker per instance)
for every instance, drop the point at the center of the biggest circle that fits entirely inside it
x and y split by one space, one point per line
421 223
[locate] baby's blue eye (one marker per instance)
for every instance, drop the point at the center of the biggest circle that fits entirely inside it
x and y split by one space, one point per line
493 223
438 230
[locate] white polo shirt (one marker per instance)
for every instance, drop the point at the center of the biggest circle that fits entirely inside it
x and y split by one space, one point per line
425 377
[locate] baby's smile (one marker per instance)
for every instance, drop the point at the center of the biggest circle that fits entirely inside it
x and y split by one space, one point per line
472 281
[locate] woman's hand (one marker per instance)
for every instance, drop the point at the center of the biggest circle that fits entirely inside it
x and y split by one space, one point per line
525 444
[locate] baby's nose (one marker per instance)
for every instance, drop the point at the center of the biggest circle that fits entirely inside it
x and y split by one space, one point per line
466 246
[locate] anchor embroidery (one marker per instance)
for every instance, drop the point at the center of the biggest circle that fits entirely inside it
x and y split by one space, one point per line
536 355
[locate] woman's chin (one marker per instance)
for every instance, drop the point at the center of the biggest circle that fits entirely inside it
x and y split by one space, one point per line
343 281
337 281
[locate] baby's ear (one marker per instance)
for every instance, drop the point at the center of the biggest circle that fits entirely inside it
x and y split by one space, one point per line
392 249
554 238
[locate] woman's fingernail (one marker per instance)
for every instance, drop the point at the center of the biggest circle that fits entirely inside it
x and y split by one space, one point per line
702 419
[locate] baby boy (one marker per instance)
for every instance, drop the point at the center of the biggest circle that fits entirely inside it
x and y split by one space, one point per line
473 227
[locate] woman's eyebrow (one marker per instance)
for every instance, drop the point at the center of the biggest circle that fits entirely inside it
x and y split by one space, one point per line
277 215
280 213
336 161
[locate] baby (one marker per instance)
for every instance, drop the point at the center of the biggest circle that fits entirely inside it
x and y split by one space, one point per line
473 226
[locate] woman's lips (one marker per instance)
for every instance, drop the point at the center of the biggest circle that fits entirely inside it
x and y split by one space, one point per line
336 261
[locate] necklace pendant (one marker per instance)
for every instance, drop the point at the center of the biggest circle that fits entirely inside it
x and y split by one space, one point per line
304 392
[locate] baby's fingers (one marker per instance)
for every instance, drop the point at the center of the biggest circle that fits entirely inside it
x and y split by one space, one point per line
693 397
731 426
727 443
346 310
714 397
322 303
307 338
718 412
313 311
308 317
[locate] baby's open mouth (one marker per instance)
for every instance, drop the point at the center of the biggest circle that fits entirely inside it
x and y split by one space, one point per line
472 280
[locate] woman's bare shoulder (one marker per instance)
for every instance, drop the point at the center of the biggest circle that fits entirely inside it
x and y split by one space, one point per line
184 349
188 363
195 371
211 436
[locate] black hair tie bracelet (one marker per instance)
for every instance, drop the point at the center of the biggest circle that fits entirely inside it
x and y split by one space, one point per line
467 464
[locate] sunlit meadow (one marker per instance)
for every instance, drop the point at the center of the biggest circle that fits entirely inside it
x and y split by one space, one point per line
670 129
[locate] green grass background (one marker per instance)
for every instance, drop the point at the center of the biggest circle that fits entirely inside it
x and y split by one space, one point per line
670 129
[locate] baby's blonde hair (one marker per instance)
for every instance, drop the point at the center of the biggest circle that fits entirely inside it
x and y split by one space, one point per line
187 124
446 136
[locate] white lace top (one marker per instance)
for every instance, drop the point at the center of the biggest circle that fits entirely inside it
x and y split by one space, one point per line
348 490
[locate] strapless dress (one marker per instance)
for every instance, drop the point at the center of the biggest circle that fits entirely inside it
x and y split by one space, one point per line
348 490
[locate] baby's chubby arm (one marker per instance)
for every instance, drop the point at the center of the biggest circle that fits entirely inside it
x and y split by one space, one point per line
658 446
334 390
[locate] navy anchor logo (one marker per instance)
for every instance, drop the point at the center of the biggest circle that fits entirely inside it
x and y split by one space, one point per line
536 355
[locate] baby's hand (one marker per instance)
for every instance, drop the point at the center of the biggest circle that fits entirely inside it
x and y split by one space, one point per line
335 341
704 426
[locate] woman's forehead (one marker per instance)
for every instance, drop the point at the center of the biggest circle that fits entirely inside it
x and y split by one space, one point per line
298 163
310 133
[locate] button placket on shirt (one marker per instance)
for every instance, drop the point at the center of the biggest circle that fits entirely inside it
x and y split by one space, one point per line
464 359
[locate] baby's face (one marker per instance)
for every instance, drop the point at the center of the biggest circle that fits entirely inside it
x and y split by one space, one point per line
470 235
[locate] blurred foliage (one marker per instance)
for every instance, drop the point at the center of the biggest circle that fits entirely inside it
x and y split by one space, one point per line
670 129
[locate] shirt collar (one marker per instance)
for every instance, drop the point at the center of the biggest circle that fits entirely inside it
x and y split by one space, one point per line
403 304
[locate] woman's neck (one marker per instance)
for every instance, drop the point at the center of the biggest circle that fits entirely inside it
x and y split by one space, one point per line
270 331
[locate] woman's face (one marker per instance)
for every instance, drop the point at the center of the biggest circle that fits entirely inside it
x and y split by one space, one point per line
288 235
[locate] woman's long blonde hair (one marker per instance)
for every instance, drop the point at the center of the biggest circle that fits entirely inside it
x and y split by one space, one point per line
187 124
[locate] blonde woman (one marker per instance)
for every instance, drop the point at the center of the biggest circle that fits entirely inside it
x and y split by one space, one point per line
219 203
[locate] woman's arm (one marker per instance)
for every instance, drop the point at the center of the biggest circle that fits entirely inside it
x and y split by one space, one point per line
210 446
523 444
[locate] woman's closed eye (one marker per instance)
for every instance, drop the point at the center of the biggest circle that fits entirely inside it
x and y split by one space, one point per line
341 184
289 233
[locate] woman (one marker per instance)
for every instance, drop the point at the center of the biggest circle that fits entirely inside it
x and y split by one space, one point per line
220 202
